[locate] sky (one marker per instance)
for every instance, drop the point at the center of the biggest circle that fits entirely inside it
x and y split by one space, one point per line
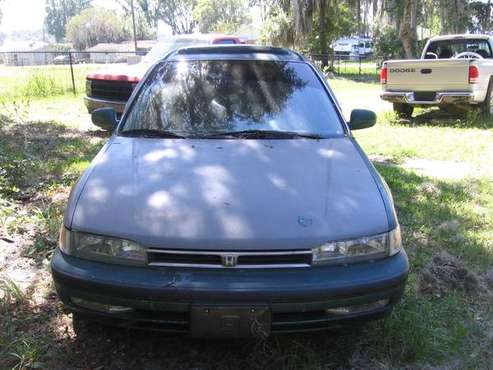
29 14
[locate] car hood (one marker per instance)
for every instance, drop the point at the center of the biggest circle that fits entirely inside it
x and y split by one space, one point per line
121 72
229 194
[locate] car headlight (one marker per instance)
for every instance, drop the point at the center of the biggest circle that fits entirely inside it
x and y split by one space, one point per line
360 249
101 248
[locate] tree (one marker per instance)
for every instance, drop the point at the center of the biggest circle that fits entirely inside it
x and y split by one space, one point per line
307 25
58 13
453 16
145 18
278 27
178 14
95 25
407 30
480 19
220 15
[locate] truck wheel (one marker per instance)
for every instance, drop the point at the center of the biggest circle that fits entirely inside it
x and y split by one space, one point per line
487 106
403 110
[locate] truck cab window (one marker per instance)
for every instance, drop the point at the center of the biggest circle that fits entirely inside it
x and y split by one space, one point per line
450 48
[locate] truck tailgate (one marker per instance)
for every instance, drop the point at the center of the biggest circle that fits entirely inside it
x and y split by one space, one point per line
428 75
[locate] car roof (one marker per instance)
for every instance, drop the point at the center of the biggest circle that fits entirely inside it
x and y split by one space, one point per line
235 52
460 37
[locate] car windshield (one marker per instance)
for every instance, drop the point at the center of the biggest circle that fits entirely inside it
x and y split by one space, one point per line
214 98
445 49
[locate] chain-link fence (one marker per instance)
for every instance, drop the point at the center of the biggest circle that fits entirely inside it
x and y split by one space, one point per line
60 70
348 65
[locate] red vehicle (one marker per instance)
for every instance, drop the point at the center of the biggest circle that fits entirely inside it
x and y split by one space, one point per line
112 88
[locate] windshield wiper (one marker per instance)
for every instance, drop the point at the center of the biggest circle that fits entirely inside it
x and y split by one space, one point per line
147 132
266 134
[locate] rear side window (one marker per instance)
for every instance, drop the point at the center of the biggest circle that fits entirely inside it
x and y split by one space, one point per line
206 97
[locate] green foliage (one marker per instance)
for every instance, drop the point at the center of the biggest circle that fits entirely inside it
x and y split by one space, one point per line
59 12
387 43
178 14
93 26
220 15
43 85
339 21
145 17
9 293
278 28
481 18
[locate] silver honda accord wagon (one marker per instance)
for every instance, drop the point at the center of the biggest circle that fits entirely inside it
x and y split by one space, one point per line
231 201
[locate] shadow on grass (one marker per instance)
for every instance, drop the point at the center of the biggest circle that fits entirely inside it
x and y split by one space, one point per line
442 215
35 155
39 162
470 118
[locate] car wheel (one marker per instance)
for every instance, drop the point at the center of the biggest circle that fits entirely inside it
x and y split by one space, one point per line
403 110
487 106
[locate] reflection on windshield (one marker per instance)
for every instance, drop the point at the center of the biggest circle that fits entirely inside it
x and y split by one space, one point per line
210 97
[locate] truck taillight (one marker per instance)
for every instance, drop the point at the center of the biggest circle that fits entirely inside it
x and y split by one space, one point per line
473 75
383 75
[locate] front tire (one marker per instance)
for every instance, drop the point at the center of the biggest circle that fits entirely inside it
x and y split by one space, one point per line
403 110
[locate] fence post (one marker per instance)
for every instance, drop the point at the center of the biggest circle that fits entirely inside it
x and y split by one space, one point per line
359 71
72 72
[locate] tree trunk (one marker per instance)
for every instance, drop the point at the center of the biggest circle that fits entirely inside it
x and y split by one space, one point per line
460 16
323 32
302 12
358 12
407 31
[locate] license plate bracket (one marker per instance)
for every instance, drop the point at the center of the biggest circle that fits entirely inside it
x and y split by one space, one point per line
230 322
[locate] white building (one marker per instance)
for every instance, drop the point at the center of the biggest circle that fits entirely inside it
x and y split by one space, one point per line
25 53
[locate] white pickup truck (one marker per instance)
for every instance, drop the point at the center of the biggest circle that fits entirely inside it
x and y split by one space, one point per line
454 72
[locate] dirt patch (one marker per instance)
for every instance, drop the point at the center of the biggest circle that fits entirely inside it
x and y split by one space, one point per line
445 273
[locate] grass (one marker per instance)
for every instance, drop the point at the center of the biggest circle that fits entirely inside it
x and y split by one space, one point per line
41 82
444 323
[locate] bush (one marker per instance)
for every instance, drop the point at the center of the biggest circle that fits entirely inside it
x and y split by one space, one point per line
387 43
42 85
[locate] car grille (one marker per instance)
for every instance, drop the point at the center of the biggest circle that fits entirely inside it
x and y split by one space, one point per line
222 259
110 90
425 96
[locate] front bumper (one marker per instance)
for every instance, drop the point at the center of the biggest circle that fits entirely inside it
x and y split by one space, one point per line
162 298
95 103
441 98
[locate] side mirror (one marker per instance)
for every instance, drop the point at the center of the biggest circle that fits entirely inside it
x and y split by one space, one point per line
105 118
362 118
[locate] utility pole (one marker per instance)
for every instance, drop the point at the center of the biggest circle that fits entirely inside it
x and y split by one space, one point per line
133 22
